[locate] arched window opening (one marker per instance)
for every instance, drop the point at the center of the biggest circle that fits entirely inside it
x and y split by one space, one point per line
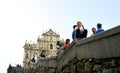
51 46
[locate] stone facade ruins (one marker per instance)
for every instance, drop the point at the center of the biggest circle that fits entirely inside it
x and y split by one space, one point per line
46 42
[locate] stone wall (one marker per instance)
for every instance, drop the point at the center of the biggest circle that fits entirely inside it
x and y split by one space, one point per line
91 65
44 65
15 69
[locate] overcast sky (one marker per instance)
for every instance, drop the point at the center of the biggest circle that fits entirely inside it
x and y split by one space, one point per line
22 20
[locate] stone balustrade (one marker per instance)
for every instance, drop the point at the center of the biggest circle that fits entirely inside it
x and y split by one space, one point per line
104 45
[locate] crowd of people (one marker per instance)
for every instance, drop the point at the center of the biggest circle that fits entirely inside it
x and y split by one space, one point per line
79 32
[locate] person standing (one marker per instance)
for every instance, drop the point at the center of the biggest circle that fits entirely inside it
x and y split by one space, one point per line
67 43
93 31
81 32
99 28
73 33
43 53
33 59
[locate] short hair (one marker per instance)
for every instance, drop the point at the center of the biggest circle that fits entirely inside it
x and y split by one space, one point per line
99 25
74 26
93 28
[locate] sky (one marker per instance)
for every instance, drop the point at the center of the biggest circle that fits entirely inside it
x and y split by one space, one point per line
22 20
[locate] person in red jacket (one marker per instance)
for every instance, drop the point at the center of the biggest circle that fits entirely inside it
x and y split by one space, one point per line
66 45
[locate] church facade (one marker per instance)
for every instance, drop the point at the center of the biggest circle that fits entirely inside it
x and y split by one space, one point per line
46 42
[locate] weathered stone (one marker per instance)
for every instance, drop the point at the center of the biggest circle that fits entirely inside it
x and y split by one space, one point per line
97 68
113 62
88 66
118 69
108 70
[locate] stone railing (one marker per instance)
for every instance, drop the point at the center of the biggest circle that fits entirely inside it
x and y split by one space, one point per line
104 46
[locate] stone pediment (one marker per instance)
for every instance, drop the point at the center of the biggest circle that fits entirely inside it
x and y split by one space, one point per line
50 32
